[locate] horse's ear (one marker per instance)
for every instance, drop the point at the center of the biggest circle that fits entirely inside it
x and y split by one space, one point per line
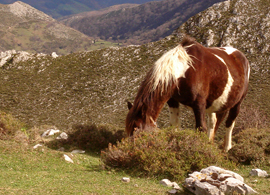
130 105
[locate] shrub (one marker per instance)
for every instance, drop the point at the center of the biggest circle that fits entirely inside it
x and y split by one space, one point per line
164 153
252 147
9 126
90 137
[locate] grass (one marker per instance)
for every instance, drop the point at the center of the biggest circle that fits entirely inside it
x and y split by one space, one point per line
43 171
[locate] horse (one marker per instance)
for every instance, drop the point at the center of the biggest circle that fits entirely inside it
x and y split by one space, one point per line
211 81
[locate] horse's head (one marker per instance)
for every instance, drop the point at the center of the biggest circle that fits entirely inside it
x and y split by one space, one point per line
138 119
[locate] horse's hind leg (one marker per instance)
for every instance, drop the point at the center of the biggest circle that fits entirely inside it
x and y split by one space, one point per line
230 125
214 120
174 112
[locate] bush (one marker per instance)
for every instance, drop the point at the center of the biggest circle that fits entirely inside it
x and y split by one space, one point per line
252 147
90 137
9 126
164 153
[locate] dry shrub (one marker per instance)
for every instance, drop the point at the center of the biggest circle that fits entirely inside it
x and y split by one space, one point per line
9 126
251 117
90 137
164 153
252 147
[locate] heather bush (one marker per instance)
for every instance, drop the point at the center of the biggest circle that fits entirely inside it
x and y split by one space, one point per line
9 126
90 137
252 146
166 153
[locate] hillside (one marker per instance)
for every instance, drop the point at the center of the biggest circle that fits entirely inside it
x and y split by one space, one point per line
140 24
28 29
58 8
93 87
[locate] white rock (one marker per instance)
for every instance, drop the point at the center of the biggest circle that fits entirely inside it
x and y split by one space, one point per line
36 146
68 159
175 186
54 55
258 172
63 135
166 182
78 152
50 132
172 191
126 179
238 186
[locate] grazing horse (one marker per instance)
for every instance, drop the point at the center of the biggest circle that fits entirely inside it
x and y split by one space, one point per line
212 81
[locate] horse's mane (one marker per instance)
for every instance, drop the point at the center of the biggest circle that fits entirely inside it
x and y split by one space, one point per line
163 76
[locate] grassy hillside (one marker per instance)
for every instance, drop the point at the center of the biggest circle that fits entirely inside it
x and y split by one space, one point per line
27 29
87 87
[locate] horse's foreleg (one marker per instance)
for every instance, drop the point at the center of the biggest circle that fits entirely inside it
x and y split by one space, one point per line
229 126
174 112
199 112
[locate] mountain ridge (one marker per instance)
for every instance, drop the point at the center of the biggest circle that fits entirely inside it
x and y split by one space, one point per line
140 24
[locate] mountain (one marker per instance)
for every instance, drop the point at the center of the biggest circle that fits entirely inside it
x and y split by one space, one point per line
94 86
28 29
60 8
139 24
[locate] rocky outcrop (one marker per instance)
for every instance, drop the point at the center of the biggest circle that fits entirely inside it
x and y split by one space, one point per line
214 180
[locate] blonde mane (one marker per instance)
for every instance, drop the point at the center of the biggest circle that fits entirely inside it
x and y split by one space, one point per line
170 67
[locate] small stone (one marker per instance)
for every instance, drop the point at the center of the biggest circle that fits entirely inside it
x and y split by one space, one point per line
50 132
78 152
68 159
136 185
166 182
126 179
172 191
62 149
36 146
63 135
258 172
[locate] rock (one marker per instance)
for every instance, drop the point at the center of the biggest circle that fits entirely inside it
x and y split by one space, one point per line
258 173
215 180
175 186
63 135
78 152
50 132
54 55
126 179
36 146
166 182
172 191
68 159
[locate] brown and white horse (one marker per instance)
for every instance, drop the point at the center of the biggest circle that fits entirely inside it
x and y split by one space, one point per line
211 81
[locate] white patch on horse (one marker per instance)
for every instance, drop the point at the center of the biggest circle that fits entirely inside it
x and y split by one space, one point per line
174 116
212 120
228 137
170 67
229 50
221 100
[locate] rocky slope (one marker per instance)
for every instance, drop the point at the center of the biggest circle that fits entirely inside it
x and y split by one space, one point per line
93 87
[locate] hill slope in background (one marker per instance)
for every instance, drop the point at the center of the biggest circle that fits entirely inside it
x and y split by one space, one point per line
140 24
87 87
28 29
59 8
